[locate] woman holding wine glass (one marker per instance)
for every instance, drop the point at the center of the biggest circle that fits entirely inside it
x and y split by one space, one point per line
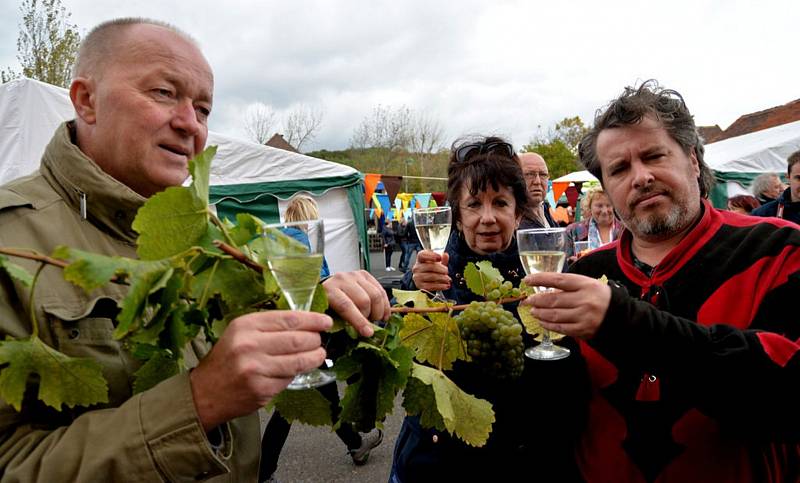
536 415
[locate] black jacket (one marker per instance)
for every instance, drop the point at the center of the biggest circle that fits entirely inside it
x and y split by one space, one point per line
791 210
704 389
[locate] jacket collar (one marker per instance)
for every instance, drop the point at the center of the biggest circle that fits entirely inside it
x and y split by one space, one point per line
109 204
704 229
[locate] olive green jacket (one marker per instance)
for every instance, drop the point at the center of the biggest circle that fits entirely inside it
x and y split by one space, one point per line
151 436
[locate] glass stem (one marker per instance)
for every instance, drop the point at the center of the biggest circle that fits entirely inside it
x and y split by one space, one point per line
546 338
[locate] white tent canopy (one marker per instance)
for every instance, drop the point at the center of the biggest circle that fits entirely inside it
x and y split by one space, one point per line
576 177
30 111
757 152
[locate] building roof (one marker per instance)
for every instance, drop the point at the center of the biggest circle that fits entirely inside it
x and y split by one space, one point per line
758 121
277 141
709 133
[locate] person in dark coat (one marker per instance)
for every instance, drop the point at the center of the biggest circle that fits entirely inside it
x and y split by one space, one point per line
532 435
787 206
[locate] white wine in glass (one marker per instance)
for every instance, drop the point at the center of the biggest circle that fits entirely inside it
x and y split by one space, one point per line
295 261
543 250
433 229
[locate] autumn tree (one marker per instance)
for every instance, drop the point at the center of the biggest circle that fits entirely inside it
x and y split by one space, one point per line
47 44
559 146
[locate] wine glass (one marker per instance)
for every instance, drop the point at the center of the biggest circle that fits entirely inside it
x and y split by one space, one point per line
295 261
433 230
543 250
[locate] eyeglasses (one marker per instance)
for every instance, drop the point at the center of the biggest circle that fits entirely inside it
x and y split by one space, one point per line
535 174
467 151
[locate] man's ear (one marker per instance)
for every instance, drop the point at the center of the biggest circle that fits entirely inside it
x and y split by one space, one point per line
82 95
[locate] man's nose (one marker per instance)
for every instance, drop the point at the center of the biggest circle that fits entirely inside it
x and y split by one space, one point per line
642 175
184 118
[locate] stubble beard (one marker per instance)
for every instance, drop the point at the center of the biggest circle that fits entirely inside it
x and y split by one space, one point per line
658 225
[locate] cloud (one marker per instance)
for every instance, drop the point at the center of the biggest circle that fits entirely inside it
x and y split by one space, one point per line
501 67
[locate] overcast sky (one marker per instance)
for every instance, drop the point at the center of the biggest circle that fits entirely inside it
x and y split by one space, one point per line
501 67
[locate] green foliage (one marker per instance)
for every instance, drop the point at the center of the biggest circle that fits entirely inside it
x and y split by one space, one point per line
15 271
434 338
47 44
308 406
375 376
182 288
62 380
480 277
444 406
559 146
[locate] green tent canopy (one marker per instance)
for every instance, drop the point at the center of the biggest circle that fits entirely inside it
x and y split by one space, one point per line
256 179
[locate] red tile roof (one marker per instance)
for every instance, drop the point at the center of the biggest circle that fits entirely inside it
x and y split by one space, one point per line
758 121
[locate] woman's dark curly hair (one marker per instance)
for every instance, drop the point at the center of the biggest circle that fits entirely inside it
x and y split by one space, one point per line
482 169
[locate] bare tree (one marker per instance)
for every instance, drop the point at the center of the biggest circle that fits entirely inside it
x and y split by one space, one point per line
426 134
47 43
385 128
258 122
301 124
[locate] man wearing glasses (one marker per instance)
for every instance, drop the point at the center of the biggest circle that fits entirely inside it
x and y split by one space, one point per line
536 175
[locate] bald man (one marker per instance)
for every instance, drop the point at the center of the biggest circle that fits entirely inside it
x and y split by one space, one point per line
536 175
142 93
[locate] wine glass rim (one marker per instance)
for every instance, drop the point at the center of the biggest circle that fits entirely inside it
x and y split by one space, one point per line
543 230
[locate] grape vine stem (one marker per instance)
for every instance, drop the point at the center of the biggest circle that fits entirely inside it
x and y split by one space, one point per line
242 258
32 255
448 308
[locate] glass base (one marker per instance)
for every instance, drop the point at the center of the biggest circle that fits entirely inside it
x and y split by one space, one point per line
310 379
547 352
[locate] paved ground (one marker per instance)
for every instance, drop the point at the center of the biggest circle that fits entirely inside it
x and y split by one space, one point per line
314 454
317 455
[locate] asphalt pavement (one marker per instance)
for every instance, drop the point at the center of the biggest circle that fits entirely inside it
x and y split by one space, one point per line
316 454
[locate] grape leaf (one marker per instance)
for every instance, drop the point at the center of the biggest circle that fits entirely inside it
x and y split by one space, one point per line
133 305
308 406
239 286
374 377
478 275
419 298
200 169
170 222
15 271
159 367
444 406
247 228
434 338
63 380
532 325
90 270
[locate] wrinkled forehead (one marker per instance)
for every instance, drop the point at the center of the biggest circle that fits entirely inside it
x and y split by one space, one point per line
532 162
152 45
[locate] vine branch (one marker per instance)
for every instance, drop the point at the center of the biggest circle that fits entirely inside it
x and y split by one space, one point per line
32 255
447 308
238 255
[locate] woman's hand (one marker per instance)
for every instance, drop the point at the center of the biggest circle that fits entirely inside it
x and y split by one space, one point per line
430 271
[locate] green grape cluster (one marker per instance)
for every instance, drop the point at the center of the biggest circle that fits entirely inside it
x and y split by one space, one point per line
493 338
495 290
